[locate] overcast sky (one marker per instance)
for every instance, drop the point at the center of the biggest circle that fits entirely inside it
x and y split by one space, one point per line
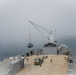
57 15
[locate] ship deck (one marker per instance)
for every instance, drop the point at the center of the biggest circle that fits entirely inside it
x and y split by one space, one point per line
58 66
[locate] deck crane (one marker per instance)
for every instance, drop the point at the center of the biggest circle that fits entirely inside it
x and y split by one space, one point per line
45 32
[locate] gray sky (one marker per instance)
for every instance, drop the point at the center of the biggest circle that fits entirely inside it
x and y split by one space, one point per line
53 14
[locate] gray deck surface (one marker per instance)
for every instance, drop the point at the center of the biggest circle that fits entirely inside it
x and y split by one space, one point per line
58 66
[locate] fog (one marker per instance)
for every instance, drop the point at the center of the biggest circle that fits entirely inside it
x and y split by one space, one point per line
59 15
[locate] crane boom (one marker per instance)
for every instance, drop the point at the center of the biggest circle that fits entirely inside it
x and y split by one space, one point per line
42 31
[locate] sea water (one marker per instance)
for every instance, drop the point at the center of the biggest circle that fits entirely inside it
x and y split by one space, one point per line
71 43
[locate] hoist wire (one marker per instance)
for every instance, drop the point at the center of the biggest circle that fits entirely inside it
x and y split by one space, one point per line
38 30
29 35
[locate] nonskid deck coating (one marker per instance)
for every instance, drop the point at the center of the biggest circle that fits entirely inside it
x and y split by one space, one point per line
58 66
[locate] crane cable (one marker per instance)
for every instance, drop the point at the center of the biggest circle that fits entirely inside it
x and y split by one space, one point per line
29 35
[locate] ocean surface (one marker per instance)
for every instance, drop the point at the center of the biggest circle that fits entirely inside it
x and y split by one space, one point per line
70 42
6 51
